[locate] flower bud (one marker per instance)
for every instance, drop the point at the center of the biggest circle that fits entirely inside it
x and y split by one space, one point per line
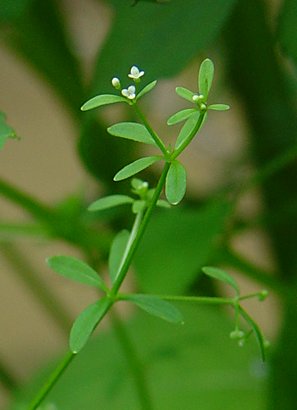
116 83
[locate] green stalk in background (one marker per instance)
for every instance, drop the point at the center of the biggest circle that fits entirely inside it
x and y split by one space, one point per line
258 78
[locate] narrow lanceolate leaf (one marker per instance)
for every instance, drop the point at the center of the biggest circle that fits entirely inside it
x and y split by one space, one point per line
219 107
77 270
187 128
110 202
205 77
221 275
85 323
116 254
104 99
146 89
176 183
184 93
180 116
5 131
131 131
135 167
157 307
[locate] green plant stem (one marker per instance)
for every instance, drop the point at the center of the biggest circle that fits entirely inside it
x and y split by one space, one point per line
187 141
40 291
8 380
54 377
133 361
133 234
125 266
207 300
28 203
155 137
56 223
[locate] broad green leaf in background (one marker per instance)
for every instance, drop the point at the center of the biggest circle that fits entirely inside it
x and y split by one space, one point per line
85 323
161 40
187 128
221 275
116 254
6 131
156 307
110 202
76 270
146 89
100 100
46 45
205 77
11 10
177 244
201 366
131 131
180 116
287 24
135 167
185 93
176 183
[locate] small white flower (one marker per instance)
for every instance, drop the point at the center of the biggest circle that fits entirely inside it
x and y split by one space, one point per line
129 92
135 74
116 83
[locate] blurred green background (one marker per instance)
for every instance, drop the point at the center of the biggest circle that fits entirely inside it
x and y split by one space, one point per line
239 213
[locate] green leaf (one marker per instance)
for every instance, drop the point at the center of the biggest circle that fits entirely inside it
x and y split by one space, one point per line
157 307
187 128
131 131
116 254
77 270
146 89
160 40
110 202
205 77
47 46
11 10
185 93
135 167
95 143
85 323
103 99
163 204
177 244
196 363
6 131
138 206
219 107
287 29
176 183
221 275
180 116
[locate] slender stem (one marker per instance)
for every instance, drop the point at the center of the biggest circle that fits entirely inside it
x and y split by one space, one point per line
7 379
30 278
209 300
131 239
30 204
154 135
271 168
187 141
134 362
125 266
54 377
